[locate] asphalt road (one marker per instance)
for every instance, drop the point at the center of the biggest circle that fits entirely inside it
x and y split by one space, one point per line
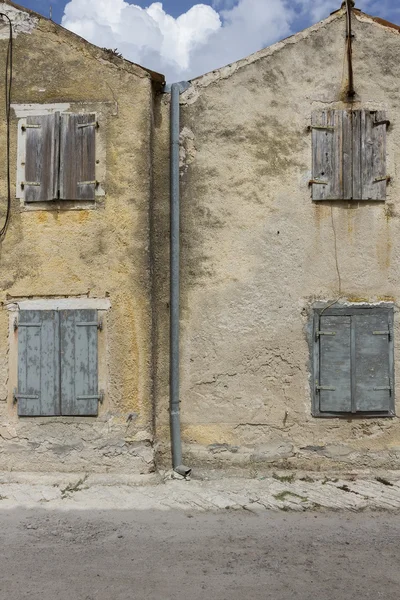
169 555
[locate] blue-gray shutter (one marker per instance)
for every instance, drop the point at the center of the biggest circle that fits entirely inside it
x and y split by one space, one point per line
334 385
38 391
373 377
78 157
79 370
41 158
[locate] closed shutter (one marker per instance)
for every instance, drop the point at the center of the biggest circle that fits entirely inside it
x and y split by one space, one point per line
327 155
349 155
372 367
79 370
42 157
334 385
78 157
354 361
373 155
38 364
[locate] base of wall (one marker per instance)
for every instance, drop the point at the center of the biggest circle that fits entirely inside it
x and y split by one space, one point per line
285 456
72 446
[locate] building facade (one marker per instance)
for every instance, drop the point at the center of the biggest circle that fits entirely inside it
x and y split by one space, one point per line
289 328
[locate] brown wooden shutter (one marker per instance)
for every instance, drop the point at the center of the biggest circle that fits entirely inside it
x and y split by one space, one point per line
327 155
78 157
42 157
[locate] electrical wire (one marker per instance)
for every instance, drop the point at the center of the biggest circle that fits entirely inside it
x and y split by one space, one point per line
8 89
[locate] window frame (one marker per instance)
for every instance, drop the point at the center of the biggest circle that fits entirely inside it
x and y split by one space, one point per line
103 111
315 358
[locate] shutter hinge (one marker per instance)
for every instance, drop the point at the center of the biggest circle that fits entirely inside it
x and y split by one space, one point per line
323 127
30 183
383 387
98 324
15 324
94 124
319 333
25 127
17 396
318 181
387 332
99 397
323 388
384 122
386 178
96 183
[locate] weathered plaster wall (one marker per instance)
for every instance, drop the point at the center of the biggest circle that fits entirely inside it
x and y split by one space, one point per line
257 253
99 252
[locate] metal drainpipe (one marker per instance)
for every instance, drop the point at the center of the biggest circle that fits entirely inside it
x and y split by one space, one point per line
175 421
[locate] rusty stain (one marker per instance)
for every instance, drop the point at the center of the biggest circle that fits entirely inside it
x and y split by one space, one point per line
42 217
354 298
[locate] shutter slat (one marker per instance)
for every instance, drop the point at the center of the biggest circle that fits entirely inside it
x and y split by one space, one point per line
347 154
78 157
79 370
372 363
42 155
335 370
373 158
357 162
38 364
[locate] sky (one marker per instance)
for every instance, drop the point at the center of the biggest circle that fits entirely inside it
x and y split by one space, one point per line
182 38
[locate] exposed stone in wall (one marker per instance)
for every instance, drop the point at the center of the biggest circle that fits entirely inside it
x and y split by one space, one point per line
69 445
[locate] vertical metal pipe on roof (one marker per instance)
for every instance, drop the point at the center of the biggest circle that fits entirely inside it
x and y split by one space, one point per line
349 8
175 422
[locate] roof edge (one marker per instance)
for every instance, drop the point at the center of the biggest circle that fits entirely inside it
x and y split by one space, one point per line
228 70
157 78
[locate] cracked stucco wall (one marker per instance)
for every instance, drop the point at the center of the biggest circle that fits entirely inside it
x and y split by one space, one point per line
101 251
257 253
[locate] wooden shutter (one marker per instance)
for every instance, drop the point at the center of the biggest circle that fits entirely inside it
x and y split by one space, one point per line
38 364
327 155
334 381
373 155
79 371
42 158
373 378
349 155
78 157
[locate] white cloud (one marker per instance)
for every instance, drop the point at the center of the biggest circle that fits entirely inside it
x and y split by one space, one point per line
201 39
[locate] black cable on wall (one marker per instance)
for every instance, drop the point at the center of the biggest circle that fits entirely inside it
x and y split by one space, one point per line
8 88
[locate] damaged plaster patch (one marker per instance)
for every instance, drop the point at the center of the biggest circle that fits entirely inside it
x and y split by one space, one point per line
187 149
22 22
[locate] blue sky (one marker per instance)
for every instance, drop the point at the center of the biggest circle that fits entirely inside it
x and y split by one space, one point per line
184 39
173 7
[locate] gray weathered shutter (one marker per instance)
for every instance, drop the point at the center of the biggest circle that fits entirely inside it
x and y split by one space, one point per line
38 363
334 385
373 155
78 157
79 371
42 158
349 155
327 155
373 377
